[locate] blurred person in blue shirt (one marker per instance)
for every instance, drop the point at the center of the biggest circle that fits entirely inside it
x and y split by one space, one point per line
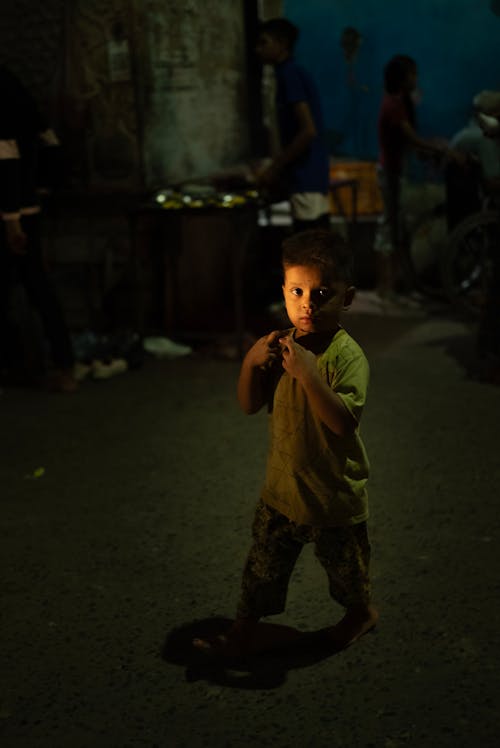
301 166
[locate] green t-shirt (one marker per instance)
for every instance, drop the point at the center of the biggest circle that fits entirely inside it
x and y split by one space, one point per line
315 477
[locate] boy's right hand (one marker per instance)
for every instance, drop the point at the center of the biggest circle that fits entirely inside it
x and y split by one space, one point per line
265 350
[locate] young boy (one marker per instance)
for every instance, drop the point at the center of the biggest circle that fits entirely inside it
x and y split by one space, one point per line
313 378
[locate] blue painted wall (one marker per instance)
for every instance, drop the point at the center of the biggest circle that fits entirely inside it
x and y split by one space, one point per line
456 44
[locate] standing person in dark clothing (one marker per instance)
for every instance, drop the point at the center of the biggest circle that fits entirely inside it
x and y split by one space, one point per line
23 133
302 165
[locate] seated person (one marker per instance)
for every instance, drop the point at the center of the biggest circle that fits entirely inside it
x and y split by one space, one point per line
468 183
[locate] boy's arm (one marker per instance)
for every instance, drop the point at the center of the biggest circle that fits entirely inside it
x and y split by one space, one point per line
323 401
252 395
328 405
251 390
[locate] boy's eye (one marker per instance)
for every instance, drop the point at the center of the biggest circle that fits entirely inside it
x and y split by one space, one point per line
297 291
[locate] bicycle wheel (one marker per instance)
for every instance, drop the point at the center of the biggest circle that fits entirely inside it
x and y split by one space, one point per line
467 260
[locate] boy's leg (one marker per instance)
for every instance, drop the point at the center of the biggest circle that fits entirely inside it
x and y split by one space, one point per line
264 586
344 553
270 562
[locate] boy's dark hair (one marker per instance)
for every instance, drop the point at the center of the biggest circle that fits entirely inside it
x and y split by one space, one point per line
395 75
282 29
320 248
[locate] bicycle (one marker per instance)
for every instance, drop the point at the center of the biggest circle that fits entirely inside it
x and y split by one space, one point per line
468 258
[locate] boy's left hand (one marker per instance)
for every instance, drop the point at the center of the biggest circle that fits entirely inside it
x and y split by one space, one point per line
298 361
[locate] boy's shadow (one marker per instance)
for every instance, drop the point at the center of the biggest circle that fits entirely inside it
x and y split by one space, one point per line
285 648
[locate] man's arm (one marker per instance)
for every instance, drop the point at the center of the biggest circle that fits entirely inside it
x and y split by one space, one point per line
10 195
305 135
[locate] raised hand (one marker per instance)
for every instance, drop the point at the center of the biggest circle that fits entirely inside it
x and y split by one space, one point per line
297 361
265 350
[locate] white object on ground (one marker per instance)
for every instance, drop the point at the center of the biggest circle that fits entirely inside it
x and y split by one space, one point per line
165 348
102 370
81 371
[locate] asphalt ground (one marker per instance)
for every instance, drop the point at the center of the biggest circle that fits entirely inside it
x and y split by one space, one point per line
125 522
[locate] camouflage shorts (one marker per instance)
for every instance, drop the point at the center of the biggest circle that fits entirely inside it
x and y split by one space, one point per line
344 553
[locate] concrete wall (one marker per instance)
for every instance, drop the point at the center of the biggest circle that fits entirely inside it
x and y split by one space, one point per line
143 92
455 43
195 103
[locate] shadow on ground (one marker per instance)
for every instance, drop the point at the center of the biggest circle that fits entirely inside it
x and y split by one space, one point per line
265 670
476 367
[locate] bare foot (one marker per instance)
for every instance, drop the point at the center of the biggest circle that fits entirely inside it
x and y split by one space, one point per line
357 621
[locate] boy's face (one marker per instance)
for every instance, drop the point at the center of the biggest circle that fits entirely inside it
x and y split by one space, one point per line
270 50
313 302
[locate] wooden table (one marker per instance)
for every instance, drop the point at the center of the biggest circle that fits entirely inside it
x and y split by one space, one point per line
198 256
